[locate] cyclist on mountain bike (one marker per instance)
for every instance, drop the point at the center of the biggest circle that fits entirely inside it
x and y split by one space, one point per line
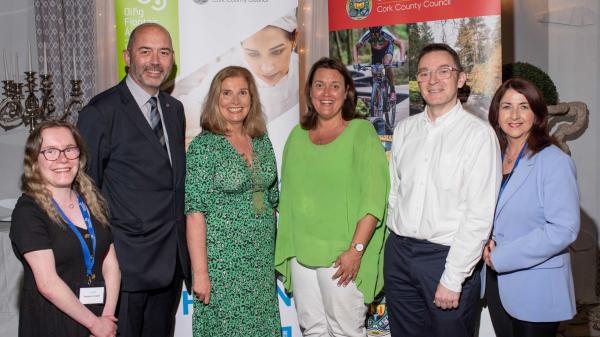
382 49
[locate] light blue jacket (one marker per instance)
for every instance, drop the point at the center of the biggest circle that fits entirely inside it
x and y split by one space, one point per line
537 218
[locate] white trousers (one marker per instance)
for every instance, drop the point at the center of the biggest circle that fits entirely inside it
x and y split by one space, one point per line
324 309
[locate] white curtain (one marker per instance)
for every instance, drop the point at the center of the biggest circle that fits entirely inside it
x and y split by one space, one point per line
17 29
67 28
313 42
106 53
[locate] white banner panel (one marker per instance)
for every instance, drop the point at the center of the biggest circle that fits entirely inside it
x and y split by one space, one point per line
215 34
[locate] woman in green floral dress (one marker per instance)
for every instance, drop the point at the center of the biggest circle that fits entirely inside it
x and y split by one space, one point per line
230 197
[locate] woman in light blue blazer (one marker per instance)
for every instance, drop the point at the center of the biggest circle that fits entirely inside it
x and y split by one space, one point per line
529 284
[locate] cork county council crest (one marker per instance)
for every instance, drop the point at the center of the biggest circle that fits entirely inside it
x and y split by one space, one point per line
358 9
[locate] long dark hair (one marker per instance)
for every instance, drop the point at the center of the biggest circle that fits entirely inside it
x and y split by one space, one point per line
538 138
309 121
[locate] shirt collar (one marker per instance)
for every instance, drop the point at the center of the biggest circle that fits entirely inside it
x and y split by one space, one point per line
140 95
445 119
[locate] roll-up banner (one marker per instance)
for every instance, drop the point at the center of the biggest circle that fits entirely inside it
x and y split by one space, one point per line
132 13
209 35
380 41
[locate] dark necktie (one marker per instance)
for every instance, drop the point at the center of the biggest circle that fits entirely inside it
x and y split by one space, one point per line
155 121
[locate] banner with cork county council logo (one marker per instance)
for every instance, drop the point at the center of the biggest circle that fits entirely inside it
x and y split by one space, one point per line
380 41
209 35
399 29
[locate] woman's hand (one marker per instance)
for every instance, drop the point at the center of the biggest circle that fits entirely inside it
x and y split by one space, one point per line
348 264
196 242
201 287
111 317
55 290
487 253
104 326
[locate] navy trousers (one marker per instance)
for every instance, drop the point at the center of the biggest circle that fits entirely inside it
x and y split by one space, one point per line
412 271
506 325
150 313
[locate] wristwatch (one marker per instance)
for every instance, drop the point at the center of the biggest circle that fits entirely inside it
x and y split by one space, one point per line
359 247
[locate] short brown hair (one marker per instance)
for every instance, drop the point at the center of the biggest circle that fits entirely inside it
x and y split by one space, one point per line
432 47
309 120
211 119
538 138
33 184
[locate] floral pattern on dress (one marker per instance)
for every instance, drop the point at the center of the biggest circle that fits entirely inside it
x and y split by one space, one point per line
240 237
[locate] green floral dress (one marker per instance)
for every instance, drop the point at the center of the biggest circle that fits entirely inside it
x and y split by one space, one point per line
237 202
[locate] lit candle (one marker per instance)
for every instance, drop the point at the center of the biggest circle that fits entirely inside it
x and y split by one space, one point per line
74 66
5 65
45 61
29 55
10 68
16 74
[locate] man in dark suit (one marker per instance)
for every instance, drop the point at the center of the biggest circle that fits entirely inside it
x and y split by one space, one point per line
135 137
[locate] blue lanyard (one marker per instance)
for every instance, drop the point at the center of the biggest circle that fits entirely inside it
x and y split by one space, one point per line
88 258
505 182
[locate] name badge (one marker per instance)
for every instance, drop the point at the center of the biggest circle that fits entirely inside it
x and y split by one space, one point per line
91 295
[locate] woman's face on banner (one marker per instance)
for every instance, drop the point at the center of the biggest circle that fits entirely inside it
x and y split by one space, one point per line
268 54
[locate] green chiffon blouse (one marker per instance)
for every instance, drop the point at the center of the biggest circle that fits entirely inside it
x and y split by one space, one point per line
325 191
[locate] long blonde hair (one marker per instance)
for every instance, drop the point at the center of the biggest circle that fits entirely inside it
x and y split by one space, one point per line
33 184
211 119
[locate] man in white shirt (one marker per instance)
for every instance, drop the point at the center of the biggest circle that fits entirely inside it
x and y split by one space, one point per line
445 171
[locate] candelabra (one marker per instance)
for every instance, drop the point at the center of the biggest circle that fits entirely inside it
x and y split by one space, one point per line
16 109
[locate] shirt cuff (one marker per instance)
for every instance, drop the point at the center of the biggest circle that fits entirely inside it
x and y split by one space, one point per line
452 281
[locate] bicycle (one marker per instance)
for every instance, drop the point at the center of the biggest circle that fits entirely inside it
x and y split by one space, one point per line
382 106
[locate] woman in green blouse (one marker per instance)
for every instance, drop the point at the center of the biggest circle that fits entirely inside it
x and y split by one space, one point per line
334 188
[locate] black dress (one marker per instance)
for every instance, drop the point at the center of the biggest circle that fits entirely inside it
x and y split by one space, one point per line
32 230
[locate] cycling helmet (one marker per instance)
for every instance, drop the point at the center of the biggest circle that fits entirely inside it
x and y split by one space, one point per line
375 29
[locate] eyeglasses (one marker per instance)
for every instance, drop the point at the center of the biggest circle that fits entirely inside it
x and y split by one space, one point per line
52 154
441 73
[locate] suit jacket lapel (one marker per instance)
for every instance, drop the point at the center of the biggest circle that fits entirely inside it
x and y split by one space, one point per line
521 172
135 113
170 121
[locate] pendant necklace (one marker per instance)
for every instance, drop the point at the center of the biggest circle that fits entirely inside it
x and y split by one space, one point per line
258 193
511 160
71 204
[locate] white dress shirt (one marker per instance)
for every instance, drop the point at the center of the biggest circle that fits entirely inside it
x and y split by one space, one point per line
141 97
445 177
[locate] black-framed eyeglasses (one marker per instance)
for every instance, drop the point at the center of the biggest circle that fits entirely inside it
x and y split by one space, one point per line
441 73
52 154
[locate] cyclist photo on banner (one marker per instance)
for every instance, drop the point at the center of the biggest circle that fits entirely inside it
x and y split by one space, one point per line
376 58
382 44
